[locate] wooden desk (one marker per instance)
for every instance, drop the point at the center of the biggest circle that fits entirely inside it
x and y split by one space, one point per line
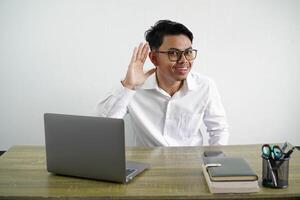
175 174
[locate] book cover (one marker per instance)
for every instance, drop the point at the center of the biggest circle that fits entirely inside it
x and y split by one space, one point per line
230 169
230 186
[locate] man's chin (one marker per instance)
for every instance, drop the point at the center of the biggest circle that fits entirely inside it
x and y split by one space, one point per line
181 77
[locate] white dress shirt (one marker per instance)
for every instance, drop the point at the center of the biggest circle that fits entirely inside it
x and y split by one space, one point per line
161 120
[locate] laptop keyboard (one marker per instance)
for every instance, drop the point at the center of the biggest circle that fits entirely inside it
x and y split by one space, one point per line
130 171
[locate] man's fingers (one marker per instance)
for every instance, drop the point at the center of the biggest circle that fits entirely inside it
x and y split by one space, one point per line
133 57
145 52
151 71
139 52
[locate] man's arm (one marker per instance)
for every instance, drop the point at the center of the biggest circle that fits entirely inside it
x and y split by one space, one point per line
215 118
115 105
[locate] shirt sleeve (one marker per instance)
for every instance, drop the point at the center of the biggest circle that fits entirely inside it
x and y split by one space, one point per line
215 119
115 104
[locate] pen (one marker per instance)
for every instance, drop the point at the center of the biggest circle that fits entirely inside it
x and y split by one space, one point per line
288 154
284 147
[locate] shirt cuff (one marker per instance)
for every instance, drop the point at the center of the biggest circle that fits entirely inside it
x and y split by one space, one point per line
124 93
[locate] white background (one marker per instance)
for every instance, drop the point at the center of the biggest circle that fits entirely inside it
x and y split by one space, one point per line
64 56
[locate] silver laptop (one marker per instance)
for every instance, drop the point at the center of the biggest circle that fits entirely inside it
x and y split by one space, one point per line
88 147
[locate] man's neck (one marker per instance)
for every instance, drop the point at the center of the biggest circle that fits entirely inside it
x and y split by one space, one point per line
170 87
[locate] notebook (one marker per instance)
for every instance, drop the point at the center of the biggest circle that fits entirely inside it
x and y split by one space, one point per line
230 186
88 147
230 169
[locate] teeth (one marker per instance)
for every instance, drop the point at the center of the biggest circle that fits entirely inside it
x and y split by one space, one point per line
180 68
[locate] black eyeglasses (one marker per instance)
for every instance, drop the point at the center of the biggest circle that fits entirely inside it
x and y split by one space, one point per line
175 54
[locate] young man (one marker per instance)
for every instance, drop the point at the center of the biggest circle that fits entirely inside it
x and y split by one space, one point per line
168 103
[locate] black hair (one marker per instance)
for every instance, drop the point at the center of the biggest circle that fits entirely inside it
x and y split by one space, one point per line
155 35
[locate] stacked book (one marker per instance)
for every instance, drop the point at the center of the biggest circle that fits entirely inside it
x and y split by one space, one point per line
229 175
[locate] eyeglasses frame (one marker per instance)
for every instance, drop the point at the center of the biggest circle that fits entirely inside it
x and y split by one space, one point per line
180 55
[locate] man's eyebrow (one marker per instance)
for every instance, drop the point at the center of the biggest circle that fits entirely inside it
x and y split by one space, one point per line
175 49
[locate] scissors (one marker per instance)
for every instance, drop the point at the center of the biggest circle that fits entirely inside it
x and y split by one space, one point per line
271 152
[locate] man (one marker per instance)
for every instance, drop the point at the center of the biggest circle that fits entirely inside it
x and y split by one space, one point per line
168 103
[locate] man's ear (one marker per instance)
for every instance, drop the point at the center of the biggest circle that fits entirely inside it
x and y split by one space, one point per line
153 58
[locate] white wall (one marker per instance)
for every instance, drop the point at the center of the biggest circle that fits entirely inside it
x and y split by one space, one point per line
63 56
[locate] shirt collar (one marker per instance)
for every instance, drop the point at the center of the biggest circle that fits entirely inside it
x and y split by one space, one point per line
151 83
190 82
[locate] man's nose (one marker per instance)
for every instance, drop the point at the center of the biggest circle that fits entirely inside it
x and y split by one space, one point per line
182 58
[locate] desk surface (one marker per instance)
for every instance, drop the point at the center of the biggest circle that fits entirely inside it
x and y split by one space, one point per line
175 174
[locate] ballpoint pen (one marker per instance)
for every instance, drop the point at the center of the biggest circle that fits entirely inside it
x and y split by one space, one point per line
284 146
288 154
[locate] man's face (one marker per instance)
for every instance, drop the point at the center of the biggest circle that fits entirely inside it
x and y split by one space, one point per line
168 71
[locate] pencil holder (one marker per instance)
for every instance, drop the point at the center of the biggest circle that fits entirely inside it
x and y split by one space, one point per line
275 173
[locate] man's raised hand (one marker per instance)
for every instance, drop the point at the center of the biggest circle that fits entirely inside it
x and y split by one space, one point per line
135 75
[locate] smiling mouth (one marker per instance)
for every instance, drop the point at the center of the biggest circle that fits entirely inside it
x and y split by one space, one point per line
181 70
